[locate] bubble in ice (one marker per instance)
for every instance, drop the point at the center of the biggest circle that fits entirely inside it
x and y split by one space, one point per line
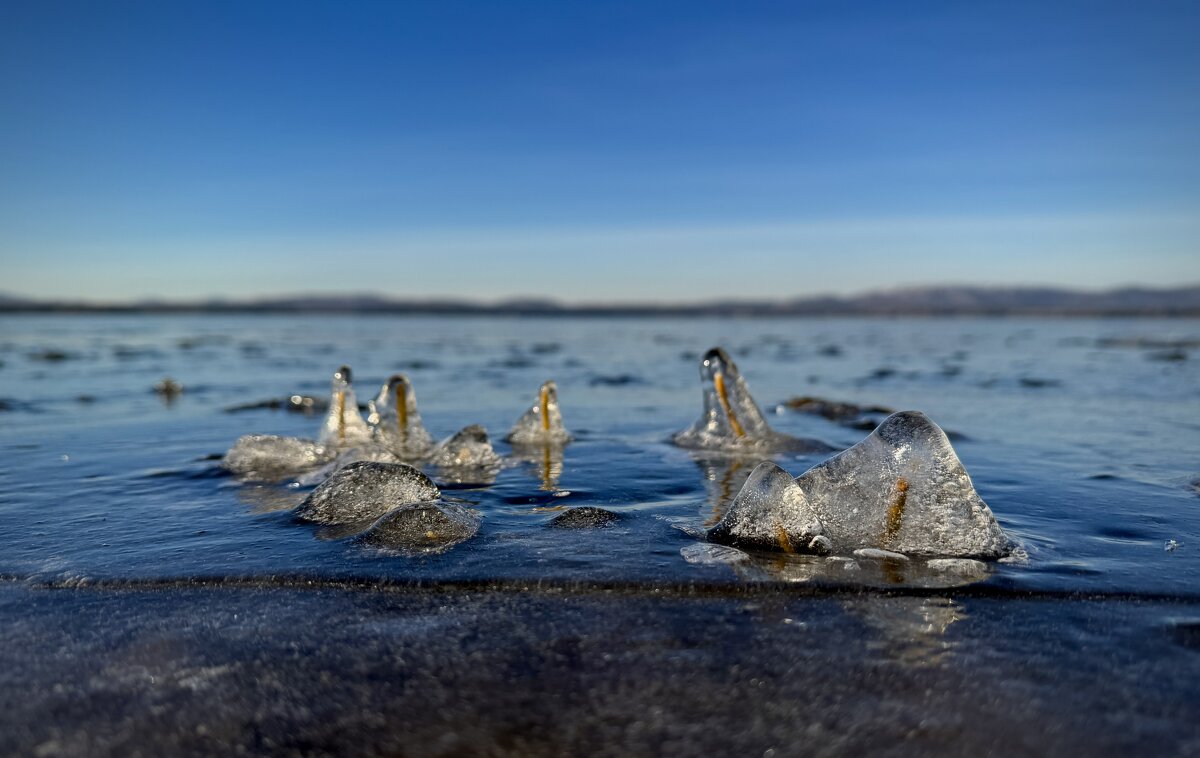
542 423
344 425
366 490
903 489
397 422
732 421
268 457
428 527
771 512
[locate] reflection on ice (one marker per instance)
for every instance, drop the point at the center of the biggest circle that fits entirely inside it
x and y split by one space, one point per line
397 422
732 420
909 630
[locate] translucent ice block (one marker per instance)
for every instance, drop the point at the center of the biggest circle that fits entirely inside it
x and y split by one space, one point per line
771 512
366 490
344 425
542 423
396 420
268 457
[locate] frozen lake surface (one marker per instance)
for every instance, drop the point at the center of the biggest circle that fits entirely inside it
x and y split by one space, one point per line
1083 436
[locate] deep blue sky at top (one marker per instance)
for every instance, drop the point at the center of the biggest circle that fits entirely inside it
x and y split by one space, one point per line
598 151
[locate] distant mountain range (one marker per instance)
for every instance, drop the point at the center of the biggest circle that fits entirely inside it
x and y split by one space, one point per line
915 301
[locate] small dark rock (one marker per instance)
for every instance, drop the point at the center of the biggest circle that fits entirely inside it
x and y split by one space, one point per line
616 380
1168 356
1034 382
584 517
833 409
51 355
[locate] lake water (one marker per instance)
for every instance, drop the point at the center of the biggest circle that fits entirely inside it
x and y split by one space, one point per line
1082 435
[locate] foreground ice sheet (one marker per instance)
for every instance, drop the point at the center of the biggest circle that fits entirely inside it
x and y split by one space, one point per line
397 422
542 423
366 490
268 457
344 425
901 490
732 420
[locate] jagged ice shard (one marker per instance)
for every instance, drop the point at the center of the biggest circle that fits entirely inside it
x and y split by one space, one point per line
344 425
542 424
732 421
397 422
366 490
771 511
901 490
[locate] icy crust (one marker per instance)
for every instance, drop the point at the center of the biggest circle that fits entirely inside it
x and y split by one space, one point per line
542 424
772 512
344 425
732 421
269 457
423 528
396 421
903 489
366 490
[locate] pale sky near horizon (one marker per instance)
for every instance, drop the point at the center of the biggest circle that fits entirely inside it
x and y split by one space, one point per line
673 151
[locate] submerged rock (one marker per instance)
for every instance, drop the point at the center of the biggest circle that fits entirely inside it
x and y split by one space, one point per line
343 425
732 421
543 422
423 527
903 489
842 413
771 512
366 490
271 458
397 422
584 517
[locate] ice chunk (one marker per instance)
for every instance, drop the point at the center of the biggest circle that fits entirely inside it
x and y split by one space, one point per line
423 527
732 420
396 420
876 554
366 490
705 554
468 447
269 457
344 425
771 512
584 517
542 423
903 489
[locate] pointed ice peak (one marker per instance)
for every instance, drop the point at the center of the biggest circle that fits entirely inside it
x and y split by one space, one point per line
396 420
903 489
771 512
542 423
343 425
732 420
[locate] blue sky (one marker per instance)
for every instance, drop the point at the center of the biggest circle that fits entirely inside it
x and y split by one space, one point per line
607 151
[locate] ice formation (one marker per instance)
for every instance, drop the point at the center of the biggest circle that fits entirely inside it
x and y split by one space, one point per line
396 420
903 489
366 490
423 527
541 424
269 457
771 511
344 425
732 420
468 447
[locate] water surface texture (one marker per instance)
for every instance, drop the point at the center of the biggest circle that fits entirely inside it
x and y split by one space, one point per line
164 584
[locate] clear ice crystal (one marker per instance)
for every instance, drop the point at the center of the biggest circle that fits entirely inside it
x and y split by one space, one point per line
542 423
903 489
344 425
397 422
771 512
366 490
423 528
470 447
732 421
268 457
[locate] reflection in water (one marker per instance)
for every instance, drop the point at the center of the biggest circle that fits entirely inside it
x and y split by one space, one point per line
266 498
909 630
724 476
544 461
837 569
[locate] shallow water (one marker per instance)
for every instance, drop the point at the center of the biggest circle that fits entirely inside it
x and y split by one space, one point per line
1084 444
